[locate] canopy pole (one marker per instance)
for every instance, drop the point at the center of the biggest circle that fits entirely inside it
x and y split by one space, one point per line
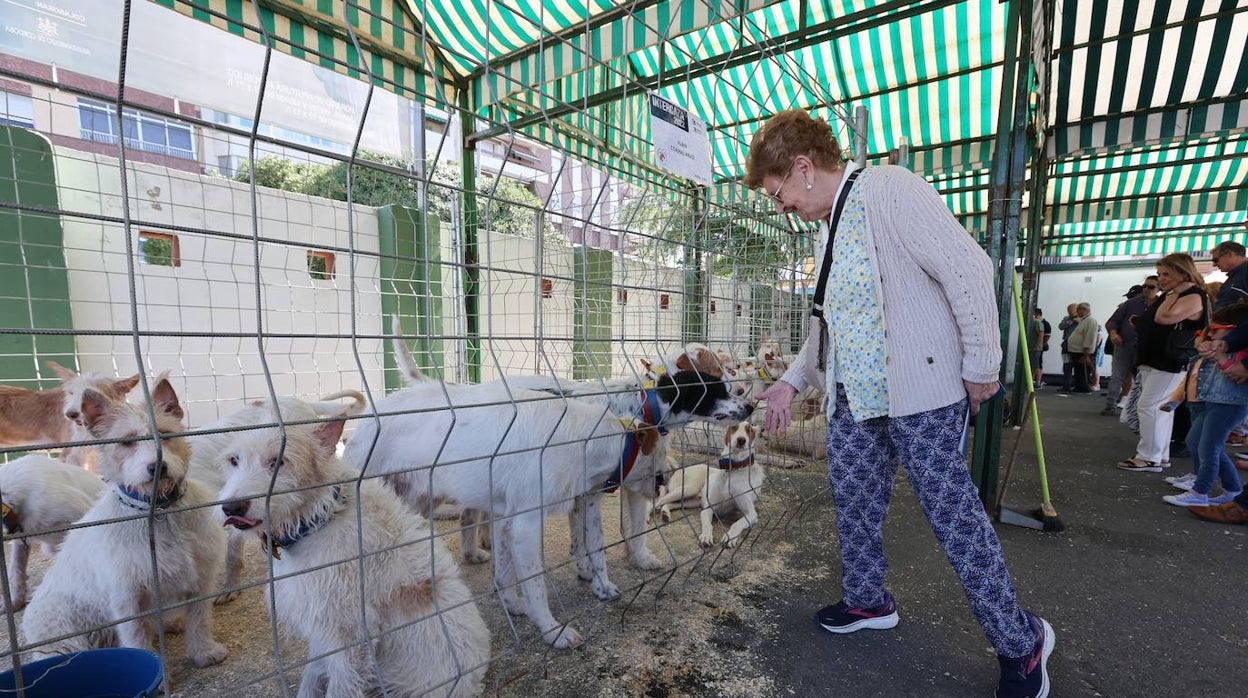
1009 166
470 255
859 127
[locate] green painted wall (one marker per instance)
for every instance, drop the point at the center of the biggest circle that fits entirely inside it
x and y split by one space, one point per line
34 284
411 286
592 304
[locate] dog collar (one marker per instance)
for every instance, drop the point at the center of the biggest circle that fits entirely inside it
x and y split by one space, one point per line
306 528
632 448
728 463
136 499
651 412
12 524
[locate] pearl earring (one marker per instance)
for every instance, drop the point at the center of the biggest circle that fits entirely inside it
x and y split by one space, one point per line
809 185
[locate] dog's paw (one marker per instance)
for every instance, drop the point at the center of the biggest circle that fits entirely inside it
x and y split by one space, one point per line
705 540
562 637
605 590
647 561
476 557
665 514
226 598
19 603
214 653
730 542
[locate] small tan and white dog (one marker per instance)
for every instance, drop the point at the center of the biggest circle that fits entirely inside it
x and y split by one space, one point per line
424 635
41 497
38 417
99 591
731 484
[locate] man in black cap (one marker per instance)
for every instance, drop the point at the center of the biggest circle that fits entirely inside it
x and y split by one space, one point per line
1123 336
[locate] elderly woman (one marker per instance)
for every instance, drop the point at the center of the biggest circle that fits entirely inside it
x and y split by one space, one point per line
912 343
1170 322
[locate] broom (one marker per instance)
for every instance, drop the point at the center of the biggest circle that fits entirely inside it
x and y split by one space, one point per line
1044 518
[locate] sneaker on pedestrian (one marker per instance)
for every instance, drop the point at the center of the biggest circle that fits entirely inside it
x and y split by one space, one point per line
1187 499
842 619
1224 498
1183 482
1109 411
1028 676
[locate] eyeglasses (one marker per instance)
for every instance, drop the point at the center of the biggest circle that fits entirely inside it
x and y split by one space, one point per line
1214 258
775 196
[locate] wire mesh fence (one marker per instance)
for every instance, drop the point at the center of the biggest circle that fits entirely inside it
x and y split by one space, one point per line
511 321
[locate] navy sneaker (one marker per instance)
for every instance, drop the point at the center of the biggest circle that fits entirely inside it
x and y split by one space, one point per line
842 619
1028 676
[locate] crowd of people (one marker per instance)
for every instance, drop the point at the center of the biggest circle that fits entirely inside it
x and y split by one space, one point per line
1177 376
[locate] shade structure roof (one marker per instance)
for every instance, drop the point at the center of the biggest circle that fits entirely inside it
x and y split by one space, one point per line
1141 103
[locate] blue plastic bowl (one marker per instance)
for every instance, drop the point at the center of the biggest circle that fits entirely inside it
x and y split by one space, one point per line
114 672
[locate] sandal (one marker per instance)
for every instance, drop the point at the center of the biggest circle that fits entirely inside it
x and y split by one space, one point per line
1139 466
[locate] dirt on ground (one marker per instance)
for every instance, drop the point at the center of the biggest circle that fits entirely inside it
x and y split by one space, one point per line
687 630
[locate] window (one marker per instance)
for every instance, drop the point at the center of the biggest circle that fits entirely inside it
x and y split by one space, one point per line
712 306
548 288
738 310
159 249
321 265
97 122
621 296
665 301
16 110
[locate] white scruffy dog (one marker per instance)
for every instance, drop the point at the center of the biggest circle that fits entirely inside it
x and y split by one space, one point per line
209 467
423 636
733 483
100 589
41 497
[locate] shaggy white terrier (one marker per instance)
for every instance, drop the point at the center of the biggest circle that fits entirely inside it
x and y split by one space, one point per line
101 588
41 497
423 634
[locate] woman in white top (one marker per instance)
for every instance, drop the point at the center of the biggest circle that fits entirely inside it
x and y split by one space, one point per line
913 343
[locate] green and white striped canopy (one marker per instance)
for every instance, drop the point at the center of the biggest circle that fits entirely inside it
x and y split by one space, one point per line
1141 102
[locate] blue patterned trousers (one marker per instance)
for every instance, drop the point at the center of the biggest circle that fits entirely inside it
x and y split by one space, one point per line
862 465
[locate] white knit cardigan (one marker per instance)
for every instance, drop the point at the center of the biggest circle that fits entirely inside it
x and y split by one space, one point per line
940 310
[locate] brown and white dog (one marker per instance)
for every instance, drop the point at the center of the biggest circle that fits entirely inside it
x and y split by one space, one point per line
731 484
99 591
53 416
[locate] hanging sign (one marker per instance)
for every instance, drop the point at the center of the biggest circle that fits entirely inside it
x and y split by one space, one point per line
681 144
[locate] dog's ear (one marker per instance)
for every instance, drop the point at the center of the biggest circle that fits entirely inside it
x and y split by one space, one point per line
123 386
684 363
752 430
329 433
728 434
94 405
647 436
63 373
704 360
165 399
649 367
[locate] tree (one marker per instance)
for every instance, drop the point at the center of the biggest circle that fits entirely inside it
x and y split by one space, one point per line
741 247
511 209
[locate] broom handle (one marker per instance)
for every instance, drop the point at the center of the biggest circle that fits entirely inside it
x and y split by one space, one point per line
1031 388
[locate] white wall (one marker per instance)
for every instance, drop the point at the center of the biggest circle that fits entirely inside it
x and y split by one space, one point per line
213 292
1103 288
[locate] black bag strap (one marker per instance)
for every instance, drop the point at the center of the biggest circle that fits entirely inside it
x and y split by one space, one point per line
821 286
